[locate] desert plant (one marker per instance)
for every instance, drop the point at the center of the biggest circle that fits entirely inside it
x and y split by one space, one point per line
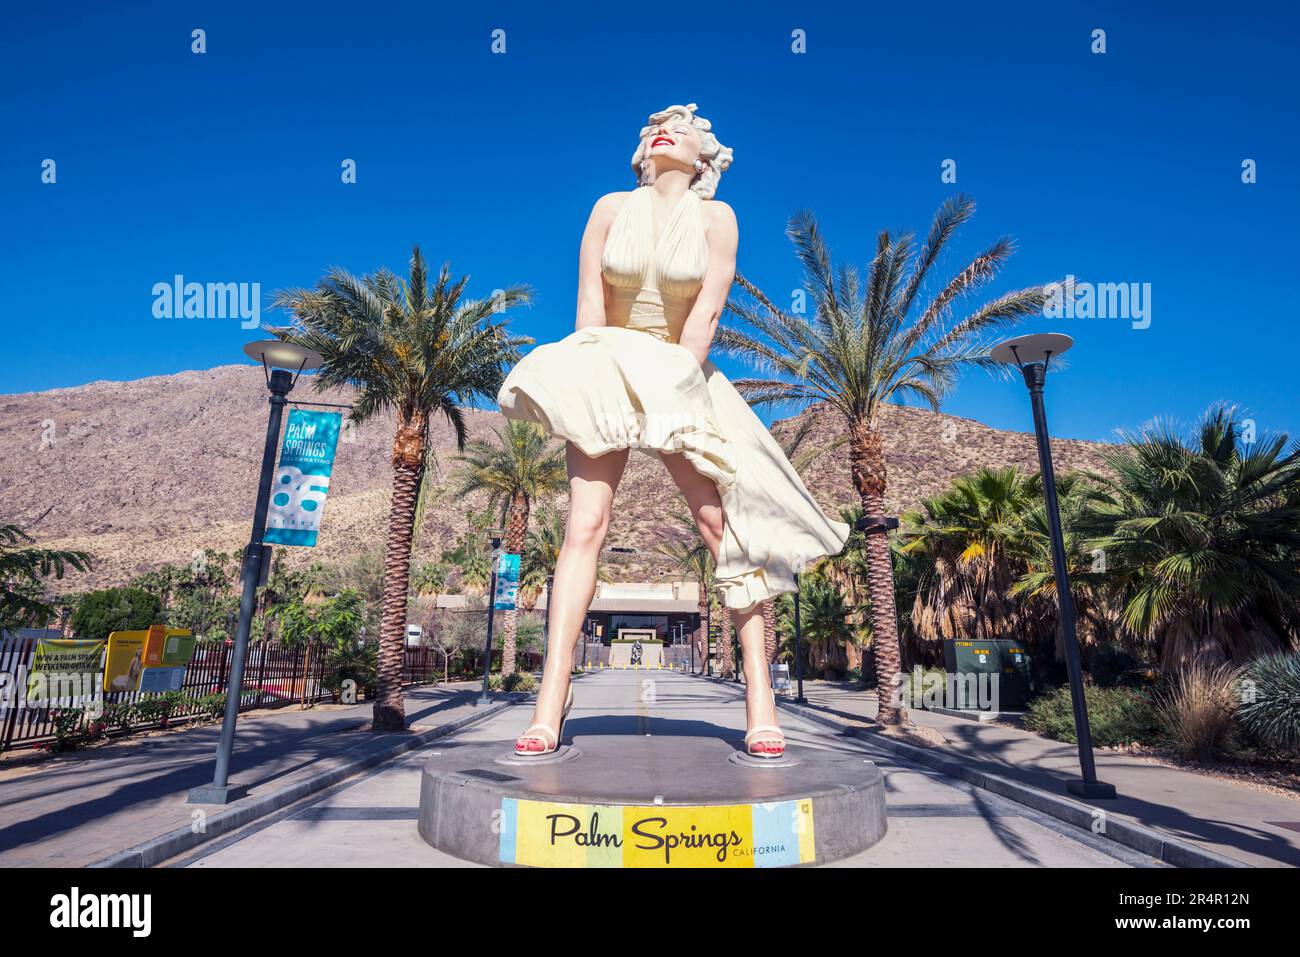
1116 716
515 681
1269 701
1196 709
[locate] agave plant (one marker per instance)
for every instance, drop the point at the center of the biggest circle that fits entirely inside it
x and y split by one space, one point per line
1269 696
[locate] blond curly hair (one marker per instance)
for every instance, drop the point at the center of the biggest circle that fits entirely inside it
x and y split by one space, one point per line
717 156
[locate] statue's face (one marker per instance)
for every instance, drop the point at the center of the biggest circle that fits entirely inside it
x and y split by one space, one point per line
674 141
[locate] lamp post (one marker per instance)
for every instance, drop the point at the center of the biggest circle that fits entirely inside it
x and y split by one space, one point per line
282 362
798 646
1032 354
497 534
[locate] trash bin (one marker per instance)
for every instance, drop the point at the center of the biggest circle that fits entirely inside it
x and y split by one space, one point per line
991 675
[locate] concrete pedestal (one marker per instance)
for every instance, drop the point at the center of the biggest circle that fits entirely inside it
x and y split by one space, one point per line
650 801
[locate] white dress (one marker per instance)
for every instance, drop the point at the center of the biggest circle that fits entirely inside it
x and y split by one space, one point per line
628 384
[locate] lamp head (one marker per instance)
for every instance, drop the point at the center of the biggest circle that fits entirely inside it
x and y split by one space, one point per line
278 354
1037 347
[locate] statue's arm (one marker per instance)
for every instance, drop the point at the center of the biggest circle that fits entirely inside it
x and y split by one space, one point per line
591 284
702 322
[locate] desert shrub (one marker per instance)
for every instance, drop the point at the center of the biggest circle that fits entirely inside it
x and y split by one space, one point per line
516 681
121 715
211 707
1269 701
1115 715
160 707
71 729
99 613
1196 710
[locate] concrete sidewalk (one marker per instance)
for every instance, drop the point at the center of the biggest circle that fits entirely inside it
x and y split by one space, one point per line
934 821
1239 822
80 808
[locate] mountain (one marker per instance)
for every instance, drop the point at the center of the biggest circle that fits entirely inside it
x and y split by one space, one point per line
147 472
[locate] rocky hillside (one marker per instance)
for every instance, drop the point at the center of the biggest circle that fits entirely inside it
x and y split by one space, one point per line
145 472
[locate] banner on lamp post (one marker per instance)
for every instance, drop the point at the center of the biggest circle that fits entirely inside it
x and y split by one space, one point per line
507 582
302 479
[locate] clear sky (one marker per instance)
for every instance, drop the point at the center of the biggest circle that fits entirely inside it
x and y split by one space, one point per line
226 166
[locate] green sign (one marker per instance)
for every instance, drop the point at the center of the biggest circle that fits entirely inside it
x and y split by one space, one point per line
64 668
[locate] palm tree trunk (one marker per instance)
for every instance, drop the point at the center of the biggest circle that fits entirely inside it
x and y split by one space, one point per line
769 630
516 531
408 458
724 643
701 636
867 464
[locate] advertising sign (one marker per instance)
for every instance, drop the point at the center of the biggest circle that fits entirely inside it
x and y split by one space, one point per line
507 582
302 479
543 834
63 668
167 652
125 662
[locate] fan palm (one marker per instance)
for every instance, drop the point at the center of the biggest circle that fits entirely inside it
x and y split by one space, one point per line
864 346
1201 539
824 632
410 349
973 536
521 466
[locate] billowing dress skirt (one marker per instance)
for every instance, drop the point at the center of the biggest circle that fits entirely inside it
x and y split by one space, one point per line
610 387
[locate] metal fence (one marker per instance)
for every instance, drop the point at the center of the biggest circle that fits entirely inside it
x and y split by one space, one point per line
275 675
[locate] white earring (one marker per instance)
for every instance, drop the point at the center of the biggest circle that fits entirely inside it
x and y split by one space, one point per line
700 166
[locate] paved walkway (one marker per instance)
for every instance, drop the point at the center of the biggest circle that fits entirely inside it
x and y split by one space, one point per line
1230 819
79 808
934 821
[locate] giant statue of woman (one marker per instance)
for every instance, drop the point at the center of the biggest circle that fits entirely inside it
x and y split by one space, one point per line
654 270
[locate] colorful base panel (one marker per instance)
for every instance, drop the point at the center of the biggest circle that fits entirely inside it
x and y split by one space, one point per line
543 834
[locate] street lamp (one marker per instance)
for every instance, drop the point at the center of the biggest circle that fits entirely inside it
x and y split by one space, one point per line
496 535
282 362
1032 354
798 646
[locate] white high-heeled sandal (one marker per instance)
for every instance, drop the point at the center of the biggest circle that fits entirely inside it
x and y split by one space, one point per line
554 734
764 732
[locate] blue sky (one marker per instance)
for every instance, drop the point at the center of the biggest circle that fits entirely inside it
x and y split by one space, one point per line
225 166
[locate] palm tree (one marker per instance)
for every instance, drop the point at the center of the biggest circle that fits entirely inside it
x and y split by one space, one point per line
725 663
521 466
973 535
409 350
861 348
430 578
537 566
692 556
23 571
822 614
1201 539
791 443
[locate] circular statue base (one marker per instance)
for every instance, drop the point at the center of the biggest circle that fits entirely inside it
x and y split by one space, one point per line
643 801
